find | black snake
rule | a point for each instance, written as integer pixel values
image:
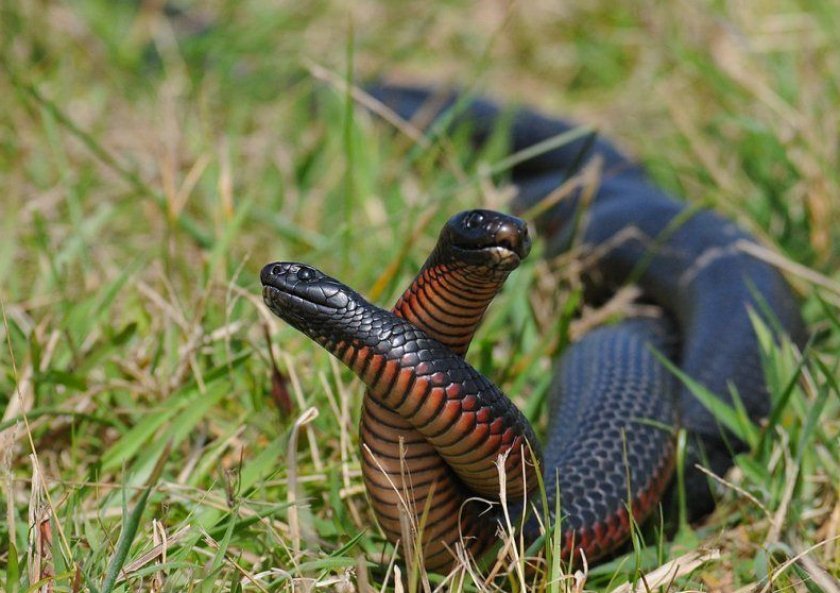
(609, 447)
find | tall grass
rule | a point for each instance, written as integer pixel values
(149, 167)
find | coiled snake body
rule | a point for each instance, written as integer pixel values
(611, 401)
(404, 474)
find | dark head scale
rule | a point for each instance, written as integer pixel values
(487, 237)
(305, 297)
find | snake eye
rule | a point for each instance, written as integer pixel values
(473, 220)
(305, 274)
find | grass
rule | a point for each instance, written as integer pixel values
(148, 174)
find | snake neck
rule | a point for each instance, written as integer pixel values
(468, 420)
(448, 300)
(404, 474)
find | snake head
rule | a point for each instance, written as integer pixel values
(487, 238)
(306, 298)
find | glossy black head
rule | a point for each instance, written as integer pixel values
(306, 298)
(486, 238)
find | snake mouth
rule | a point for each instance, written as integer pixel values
(496, 256)
(281, 303)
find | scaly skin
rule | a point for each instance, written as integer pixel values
(469, 422)
(466, 418)
(475, 253)
(603, 453)
(690, 263)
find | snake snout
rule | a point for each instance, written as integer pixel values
(475, 230)
(512, 234)
(305, 285)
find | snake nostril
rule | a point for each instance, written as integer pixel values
(275, 270)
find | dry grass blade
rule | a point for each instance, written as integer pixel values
(791, 475)
(668, 572)
(512, 539)
(158, 551)
(737, 489)
(820, 575)
(790, 562)
(301, 402)
(622, 302)
(790, 266)
(392, 564)
(39, 556)
(368, 102)
(295, 528)
(6, 440)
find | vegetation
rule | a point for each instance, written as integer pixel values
(150, 166)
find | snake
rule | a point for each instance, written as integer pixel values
(403, 473)
(433, 428)
(691, 261)
(431, 418)
(469, 424)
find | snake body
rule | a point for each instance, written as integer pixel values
(692, 262)
(404, 475)
(604, 452)
(455, 409)
(432, 427)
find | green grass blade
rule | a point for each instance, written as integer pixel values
(728, 416)
(131, 523)
(12, 569)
